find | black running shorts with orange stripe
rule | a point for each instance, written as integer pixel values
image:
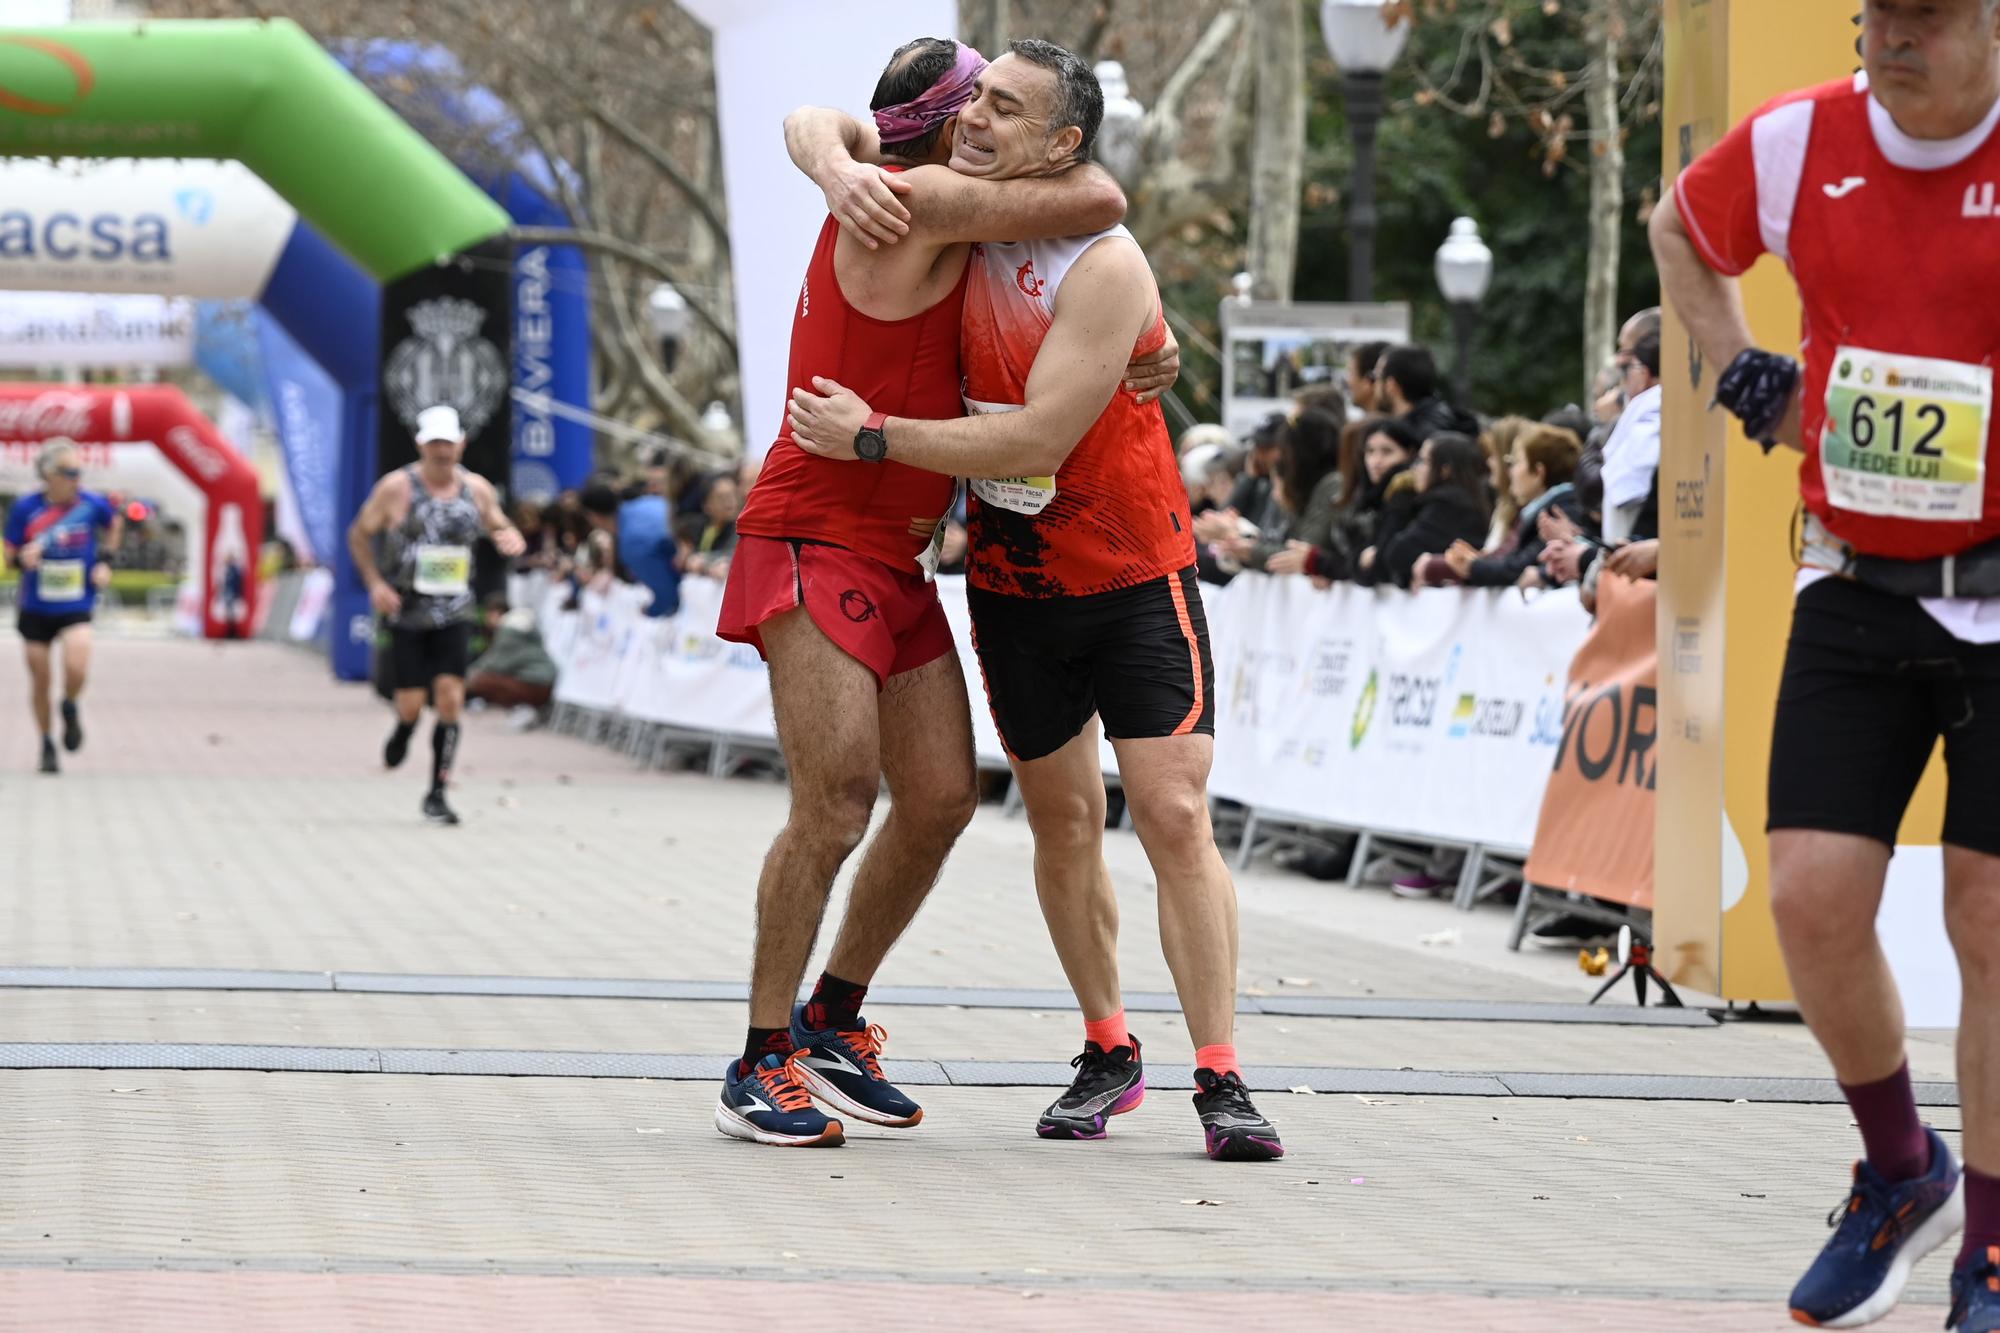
(1138, 657)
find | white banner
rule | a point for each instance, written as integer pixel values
(178, 227)
(74, 329)
(1434, 715)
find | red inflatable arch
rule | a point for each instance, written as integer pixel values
(160, 415)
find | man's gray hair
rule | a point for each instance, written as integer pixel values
(1079, 97)
(45, 461)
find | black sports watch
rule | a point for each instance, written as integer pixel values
(870, 444)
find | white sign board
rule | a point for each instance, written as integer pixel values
(163, 226)
(1272, 349)
(75, 329)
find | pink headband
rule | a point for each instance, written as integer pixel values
(936, 104)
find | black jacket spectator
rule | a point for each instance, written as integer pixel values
(1427, 525)
(1435, 416)
(1452, 505)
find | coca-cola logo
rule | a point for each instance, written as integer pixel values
(46, 415)
(186, 444)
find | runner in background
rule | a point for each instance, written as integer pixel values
(431, 512)
(1877, 191)
(52, 538)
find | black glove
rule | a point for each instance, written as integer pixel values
(1757, 389)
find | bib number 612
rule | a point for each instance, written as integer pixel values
(1867, 420)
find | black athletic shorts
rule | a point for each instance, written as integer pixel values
(420, 656)
(1871, 682)
(44, 626)
(1136, 656)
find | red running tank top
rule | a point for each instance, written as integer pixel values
(904, 367)
(1116, 512)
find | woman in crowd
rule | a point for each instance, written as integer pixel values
(1308, 486)
(1450, 505)
(1540, 466)
(1388, 447)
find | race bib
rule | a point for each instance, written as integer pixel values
(1023, 495)
(933, 552)
(1905, 436)
(60, 580)
(444, 571)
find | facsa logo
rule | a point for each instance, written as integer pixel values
(67, 237)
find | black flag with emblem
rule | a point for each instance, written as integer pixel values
(447, 337)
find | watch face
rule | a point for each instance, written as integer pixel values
(871, 446)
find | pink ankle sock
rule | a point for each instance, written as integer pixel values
(1108, 1033)
(1221, 1059)
(1982, 1213)
(1891, 1134)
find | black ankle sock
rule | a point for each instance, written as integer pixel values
(444, 748)
(835, 1004)
(763, 1042)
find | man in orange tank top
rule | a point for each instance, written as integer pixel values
(1083, 591)
(828, 582)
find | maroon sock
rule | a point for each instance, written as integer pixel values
(835, 1004)
(1891, 1134)
(1982, 1214)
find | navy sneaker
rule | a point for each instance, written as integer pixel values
(1231, 1126)
(1879, 1235)
(1975, 1293)
(72, 726)
(768, 1105)
(1107, 1083)
(840, 1066)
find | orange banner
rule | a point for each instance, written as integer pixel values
(1595, 834)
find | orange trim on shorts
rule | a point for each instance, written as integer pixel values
(1194, 653)
(972, 627)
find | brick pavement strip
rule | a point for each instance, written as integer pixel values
(228, 814)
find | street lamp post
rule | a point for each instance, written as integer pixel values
(1365, 37)
(1120, 144)
(1464, 271)
(667, 313)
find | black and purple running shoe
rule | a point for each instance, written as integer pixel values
(1232, 1127)
(1107, 1083)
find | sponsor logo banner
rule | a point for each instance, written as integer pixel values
(1595, 834)
(165, 227)
(73, 329)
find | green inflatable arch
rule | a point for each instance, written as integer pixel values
(259, 91)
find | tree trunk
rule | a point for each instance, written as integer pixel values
(1607, 189)
(1277, 145)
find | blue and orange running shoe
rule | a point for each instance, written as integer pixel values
(1232, 1128)
(1879, 1235)
(1107, 1083)
(842, 1067)
(769, 1105)
(1975, 1293)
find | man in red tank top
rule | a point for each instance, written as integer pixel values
(829, 581)
(1878, 192)
(1083, 591)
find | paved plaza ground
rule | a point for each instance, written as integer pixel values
(234, 1170)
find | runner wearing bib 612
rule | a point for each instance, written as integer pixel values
(431, 513)
(1878, 191)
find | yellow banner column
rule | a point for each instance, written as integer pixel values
(1726, 514)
